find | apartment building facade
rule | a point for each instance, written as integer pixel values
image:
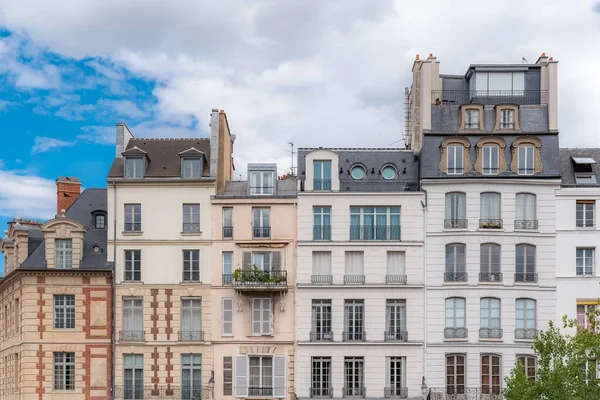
(577, 235)
(55, 302)
(359, 300)
(253, 286)
(159, 238)
(488, 148)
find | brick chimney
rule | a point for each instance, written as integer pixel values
(67, 191)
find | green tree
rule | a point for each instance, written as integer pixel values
(566, 364)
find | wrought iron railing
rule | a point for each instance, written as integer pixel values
(321, 336)
(354, 279)
(261, 232)
(395, 392)
(191, 336)
(456, 223)
(526, 334)
(321, 393)
(528, 277)
(227, 279)
(322, 184)
(490, 277)
(455, 277)
(486, 223)
(395, 336)
(132, 336)
(228, 232)
(259, 279)
(456, 333)
(356, 392)
(526, 224)
(463, 393)
(321, 279)
(260, 391)
(322, 232)
(357, 336)
(458, 97)
(191, 227)
(369, 232)
(161, 392)
(490, 333)
(395, 279)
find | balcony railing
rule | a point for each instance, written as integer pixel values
(490, 277)
(322, 184)
(456, 333)
(132, 336)
(490, 333)
(191, 336)
(395, 336)
(191, 227)
(260, 391)
(526, 224)
(262, 232)
(463, 393)
(488, 97)
(321, 336)
(227, 232)
(321, 393)
(395, 392)
(321, 279)
(261, 190)
(356, 392)
(395, 279)
(490, 223)
(456, 223)
(527, 277)
(257, 279)
(455, 276)
(354, 279)
(322, 232)
(359, 336)
(381, 232)
(227, 279)
(526, 334)
(161, 392)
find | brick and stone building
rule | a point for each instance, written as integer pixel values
(55, 302)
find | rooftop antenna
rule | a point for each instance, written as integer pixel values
(293, 153)
(524, 60)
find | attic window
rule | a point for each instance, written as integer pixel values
(191, 168)
(134, 167)
(261, 182)
(100, 221)
(584, 172)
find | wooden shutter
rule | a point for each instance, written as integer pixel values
(227, 316)
(227, 376)
(241, 376)
(276, 261)
(279, 387)
(247, 260)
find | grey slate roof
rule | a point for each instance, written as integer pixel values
(164, 158)
(239, 189)
(565, 165)
(81, 210)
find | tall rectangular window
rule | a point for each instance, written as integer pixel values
(227, 267)
(374, 223)
(133, 265)
(133, 320)
(227, 376)
(321, 377)
(490, 207)
(472, 120)
(191, 376)
(191, 168)
(455, 374)
(260, 382)
(355, 267)
(455, 159)
(133, 217)
(490, 263)
(395, 377)
(507, 119)
(321, 320)
(261, 222)
(395, 320)
(525, 319)
(133, 376)
(321, 223)
(525, 159)
(584, 215)
(321, 267)
(64, 371)
(455, 263)
(455, 318)
(322, 171)
(585, 261)
(262, 261)
(261, 182)
(525, 217)
(262, 322)
(227, 222)
(64, 311)
(490, 374)
(100, 221)
(490, 160)
(525, 263)
(63, 253)
(530, 365)
(134, 168)
(354, 377)
(490, 322)
(354, 320)
(227, 316)
(191, 320)
(191, 218)
(585, 312)
(191, 265)
(456, 210)
(396, 267)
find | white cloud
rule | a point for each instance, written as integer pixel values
(124, 108)
(26, 195)
(43, 144)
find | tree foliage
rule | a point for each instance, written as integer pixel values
(562, 359)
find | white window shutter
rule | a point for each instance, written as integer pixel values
(279, 387)
(227, 316)
(241, 376)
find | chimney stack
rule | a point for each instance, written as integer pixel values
(67, 191)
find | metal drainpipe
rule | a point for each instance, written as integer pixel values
(113, 295)
(424, 283)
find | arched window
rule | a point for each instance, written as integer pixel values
(456, 210)
(455, 373)
(525, 216)
(525, 270)
(455, 263)
(525, 321)
(529, 363)
(490, 270)
(490, 211)
(455, 158)
(455, 318)
(491, 374)
(490, 321)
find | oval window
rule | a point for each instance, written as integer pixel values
(357, 172)
(388, 172)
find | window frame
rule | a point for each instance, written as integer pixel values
(263, 375)
(103, 217)
(266, 304)
(227, 218)
(191, 265)
(454, 316)
(134, 168)
(455, 387)
(190, 363)
(469, 124)
(456, 211)
(451, 151)
(487, 266)
(132, 217)
(191, 307)
(396, 318)
(456, 267)
(526, 267)
(132, 260)
(193, 173)
(524, 322)
(191, 218)
(321, 370)
(135, 363)
(354, 319)
(134, 308)
(585, 209)
(374, 230)
(321, 318)
(489, 305)
(262, 216)
(529, 152)
(491, 387)
(64, 311)
(354, 375)
(321, 231)
(487, 159)
(521, 204)
(224, 321)
(264, 178)
(591, 256)
(321, 177)
(507, 121)
(63, 253)
(64, 371)
(524, 359)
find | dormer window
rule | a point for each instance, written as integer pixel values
(322, 174)
(472, 119)
(455, 155)
(63, 253)
(261, 182)
(191, 168)
(134, 167)
(507, 119)
(583, 169)
(100, 221)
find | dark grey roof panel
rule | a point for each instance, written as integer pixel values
(239, 189)
(566, 165)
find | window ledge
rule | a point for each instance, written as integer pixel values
(455, 230)
(455, 284)
(490, 229)
(527, 230)
(585, 228)
(498, 283)
(499, 340)
(191, 233)
(456, 340)
(271, 336)
(523, 340)
(188, 283)
(526, 283)
(132, 233)
(132, 282)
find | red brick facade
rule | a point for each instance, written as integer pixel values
(154, 305)
(169, 316)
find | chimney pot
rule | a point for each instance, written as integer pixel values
(417, 58)
(551, 59)
(543, 55)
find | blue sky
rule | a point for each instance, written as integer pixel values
(318, 73)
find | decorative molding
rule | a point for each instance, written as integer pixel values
(169, 368)
(40, 390)
(466, 143)
(155, 379)
(463, 117)
(41, 315)
(507, 106)
(154, 305)
(169, 316)
(537, 154)
(498, 141)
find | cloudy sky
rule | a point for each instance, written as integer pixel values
(315, 72)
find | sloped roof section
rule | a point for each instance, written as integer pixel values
(567, 169)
